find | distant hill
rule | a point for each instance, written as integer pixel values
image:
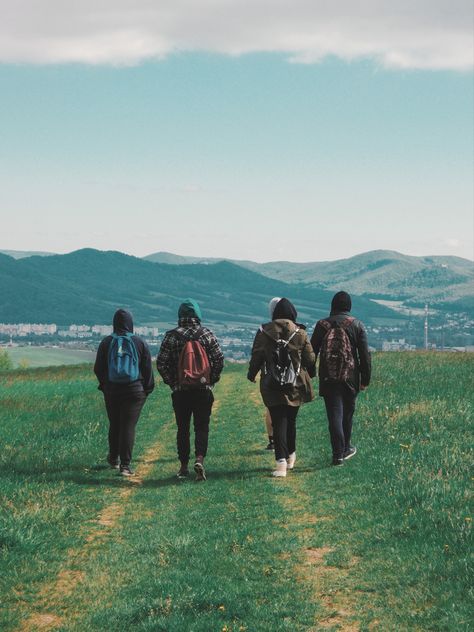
(86, 286)
(21, 254)
(441, 280)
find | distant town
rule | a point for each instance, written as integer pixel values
(453, 333)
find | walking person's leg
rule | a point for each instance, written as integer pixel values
(131, 407)
(292, 413)
(333, 400)
(182, 411)
(269, 427)
(113, 413)
(279, 423)
(202, 408)
(349, 404)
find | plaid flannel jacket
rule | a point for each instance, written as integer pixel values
(168, 357)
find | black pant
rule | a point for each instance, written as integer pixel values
(196, 403)
(284, 429)
(123, 412)
(340, 405)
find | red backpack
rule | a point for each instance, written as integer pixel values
(194, 370)
(336, 350)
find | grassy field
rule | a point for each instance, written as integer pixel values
(33, 357)
(379, 544)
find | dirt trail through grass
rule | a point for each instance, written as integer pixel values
(327, 583)
(51, 596)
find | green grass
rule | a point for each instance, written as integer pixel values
(380, 544)
(33, 357)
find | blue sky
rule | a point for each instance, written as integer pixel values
(250, 156)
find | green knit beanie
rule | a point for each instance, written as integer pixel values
(189, 308)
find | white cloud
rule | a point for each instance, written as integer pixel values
(427, 34)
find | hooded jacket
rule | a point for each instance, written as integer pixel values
(360, 351)
(123, 324)
(300, 352)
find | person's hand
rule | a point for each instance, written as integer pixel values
(363, 387)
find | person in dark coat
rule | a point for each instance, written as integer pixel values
(195, 402)
(283, 405)
(123, 402)
(340, 396)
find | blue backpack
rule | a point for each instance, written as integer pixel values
(123, 360)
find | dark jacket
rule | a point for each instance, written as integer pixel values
(173, 342)
(300, 352)
(123, 323)
(360, 352)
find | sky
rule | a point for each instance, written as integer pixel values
(294, 130)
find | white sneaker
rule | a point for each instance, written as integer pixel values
(291, 460)
(280, 469)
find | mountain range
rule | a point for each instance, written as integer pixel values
(86, 286)
(444, 281)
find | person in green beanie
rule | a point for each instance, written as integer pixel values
(190, 362)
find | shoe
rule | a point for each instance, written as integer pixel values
(348, 454)
(114, 463)
(200, 471)
(280, 469)
(270, 446)
(183, 472)
(125, 470)
(291, 460)
(338, 462)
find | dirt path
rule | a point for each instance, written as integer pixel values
(51, 596)
(328, 583)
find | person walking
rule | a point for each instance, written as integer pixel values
(268, 418)
(124, 370)
(190, 362)
(340, 340)
(283, 355)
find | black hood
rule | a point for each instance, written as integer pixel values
(285, 309)
(123, 322)
(341, 302)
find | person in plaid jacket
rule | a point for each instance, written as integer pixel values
(190, 402)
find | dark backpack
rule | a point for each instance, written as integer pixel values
(336, 350)
(123, 362)
(279, 372)
(194, 369)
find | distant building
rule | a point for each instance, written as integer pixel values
(397, 345)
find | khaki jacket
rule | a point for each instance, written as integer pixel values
(300, 351)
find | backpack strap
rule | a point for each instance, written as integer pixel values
(325, 324)
(347, 322)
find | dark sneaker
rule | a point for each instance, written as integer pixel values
(183, 472)
(338, 462)
(348, 454)
(200, 471)
(114, 463)
(270, 446)
(125, 470)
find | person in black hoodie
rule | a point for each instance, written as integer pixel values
(123, 402)
(340, 396)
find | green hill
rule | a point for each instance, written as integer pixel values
(383, 274)
(86, 286)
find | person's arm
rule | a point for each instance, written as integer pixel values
(165, 360)
(146, 369)
(363, 353)
(215, 355)
(257, 358)
(101, 364)
(317, 339)
(308, 357)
